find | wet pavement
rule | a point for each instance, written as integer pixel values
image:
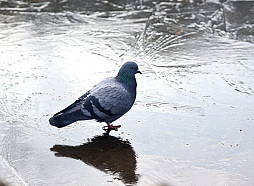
(192, 123)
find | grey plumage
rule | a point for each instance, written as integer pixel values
(105, 102)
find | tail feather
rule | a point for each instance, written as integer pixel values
(58, 122)
(67, 116)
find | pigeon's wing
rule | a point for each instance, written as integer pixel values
(74, 106)
(109, 99)
(114, 98)
(106, 101)
(70, 114)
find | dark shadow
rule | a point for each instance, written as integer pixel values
(107, 153)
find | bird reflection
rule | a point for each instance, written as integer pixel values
(107, 153)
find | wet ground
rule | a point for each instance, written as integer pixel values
(193, 120)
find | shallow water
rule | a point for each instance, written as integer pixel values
(192, 123)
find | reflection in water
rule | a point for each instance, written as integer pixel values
(107, 153)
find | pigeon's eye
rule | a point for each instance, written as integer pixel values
(132, 68)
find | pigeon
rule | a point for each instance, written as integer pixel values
(105, 102)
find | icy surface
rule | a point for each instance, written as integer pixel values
(192, 123)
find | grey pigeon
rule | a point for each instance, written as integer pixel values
(105, 102)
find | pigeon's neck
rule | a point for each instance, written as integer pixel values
(127, 79)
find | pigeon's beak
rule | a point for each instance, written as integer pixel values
(139, 72)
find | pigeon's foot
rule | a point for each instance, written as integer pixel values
(110, 127)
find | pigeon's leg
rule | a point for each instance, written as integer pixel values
(110, 127)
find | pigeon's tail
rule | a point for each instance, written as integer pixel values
(67, 116)
(58, 121)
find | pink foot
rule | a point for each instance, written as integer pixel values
(111, 127)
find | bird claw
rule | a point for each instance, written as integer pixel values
(111, 127)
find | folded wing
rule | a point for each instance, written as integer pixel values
(105, 102)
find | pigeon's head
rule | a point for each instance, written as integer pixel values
(127, 72)
(130, 68)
